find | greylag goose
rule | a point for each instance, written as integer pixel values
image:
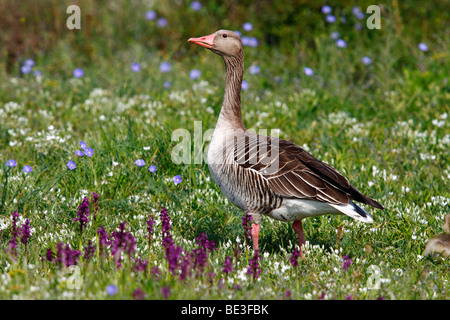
(265, 175)
(441, 243)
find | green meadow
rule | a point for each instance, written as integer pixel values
(373, 103)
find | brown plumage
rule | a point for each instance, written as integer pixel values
(440, 245)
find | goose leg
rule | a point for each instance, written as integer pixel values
(256, 220)
(298, 227)
(255, 235)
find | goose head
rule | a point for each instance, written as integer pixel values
(223, 42)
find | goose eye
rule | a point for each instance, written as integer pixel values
(224, 35)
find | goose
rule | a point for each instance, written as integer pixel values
(441, 243)
(268, 176)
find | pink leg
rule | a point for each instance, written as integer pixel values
(298, 227)
(255, 235)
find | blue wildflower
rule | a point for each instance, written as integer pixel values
(244, 85)
(161, 23)
(326, 9)
(83, 145)
(167, 84)
(334, 35)
(308, 71)
(25, 69)
(111, 289)
(27, 169)
(340, 43)
(89, 152)
(150, 15)
(71, 165)
(78, 73)
(330, 18)
(79, 153)
(140, 162)
(255, 69)
(165, 67)
(247, 26)
(196, 5)
(11, 163)
(136, 67)
(422, 47)
(366, 60)
(195, 74)
(177, 179)
(152, 169)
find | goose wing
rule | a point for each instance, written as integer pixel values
(294, 173)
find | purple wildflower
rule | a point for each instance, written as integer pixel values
(186, 264)
(12, 248)
(79, 153)
(83, 213)
(89, 251)
(140, 264)
(227, 265)
(94, 200)
(152, 169)
(346, 262)
(120, 240)
(165, 292)
(138, 294)
(150, 223)
(254, 268)
(49, 255)
(65, 255)
(294, 257)
(26, 232)
(247, 227)
(103, 240)
(172, 252)
(204, 243)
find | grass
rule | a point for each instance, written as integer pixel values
(385, 126)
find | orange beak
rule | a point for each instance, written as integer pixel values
(206, 41)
